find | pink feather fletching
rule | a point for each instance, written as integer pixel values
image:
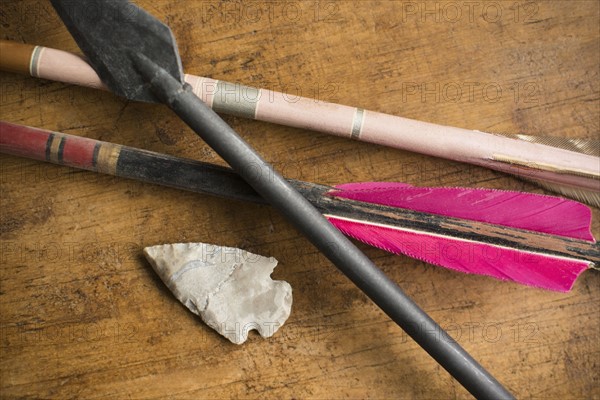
(543, 271)
(533, 212)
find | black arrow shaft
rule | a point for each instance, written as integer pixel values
(331, 242)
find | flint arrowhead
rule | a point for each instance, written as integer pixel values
(230, 289)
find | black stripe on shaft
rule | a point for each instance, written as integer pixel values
(61, 149)
(49, 146)
(95, 155)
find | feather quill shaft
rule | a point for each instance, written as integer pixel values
(467, 230)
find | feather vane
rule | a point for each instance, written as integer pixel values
(540, 213)
(531, 269)
(524, 211)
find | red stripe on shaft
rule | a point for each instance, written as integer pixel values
(78, 152)
(23, 141)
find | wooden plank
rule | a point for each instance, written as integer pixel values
(83, 315)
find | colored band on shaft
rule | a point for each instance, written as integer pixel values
(82, 153)
(357, 123)
(236, 99)
(35, 58)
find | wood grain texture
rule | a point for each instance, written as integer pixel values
(82, 314)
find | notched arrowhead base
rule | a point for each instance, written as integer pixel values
(230, 289)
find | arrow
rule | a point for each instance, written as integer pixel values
(135, 55)
(535, 240)
(565, 166)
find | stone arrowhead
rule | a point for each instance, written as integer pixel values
(230, 289)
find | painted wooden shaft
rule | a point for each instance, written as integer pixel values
(199, 177)
(518, 157)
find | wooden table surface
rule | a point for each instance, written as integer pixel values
(83, 315)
